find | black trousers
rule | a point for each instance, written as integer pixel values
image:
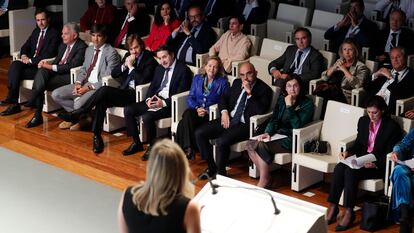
(224, 138)
(46, 80)
(132, 111)
(347, 179)
(18, 71)
(186, 128)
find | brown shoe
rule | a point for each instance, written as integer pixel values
(75, 127)
(65, 125)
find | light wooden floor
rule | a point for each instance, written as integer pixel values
(71, 151)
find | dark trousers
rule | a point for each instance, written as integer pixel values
(347, 179)
(132, 111)
(18, 71)
(224, 138)
(46, 80)
(186, 128)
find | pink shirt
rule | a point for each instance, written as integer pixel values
(373, 130)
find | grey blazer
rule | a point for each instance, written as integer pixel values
(109, 60)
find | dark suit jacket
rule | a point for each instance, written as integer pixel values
(258, 103)
(49, 49)
(76, 56)
(257, 15)
(389, 133)
(142, 73)
(206, 37)
(180, 81)
(365, 38)
(401, 90)
(312, 66)
(140, 25)
(221, 8)
(405, 40)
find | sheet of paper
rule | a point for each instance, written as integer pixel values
(272, 138)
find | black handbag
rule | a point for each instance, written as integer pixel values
(316, 146)
(375, 214)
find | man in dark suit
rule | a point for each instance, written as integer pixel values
(394, 36)
(194, 36)
(248, 96)
(354, 25)
(51, 76)
(129, 20)
(254, 12)
(216, 9)
(137, 68)
(42, 44)
(171, 77)
(301, 59)
(392, 84)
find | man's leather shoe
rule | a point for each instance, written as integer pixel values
(98, 144)
(29, 104)
(146, 155)
(69, 116)
(133, 148)
(4, 102)
(12, 109)
(36, 120)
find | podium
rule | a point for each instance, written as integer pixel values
(237, 208)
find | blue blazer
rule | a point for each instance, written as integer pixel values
(196, 98)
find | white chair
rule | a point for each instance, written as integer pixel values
(281, 158)
(328, 5)
(339, 124)
(21, 25)
(322, 21)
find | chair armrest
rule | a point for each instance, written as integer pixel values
(365, 53)
(389, 166)
(223, 23)
(200, 59)
(179, 105)
(213, 112)
(410, 61)
(50, 60)
(16, 56)
(357, 96)
(375, 15)
(257, 120)
(109, 81)
(235, 67)
(302, 135)
(327, 44)
(411, 23)
(312, 85)
(74, 72)
(289, 37)
(259, 30)
(346, 143)
(141, 92)
(342, 8)
(403, 105)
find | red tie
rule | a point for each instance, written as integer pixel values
(40, 44)
(65, 58)
(122, 34)
(95, 58)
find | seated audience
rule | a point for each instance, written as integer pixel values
(387, 6)
(41, 44)
(293, 110)
(99, 13)
(206, 90)
(137, 68)
(216, 9)
(392, 84)
(163, 202)
(402, 183)
(248, 96)
(165, 21)
(52, 76)
(377, 134)
(194, 36)
(232, 45)
(100, 59)
(354, 25)
(253, 11)
(346, 74)
(170, 77)
(301, 59)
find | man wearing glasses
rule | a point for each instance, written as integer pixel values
(194, 36)
(248, 96)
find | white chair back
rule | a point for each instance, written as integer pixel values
(272, 49)
(256, 44)
(324, 20)
(300, 16)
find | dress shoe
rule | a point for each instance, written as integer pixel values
(29, 104)
(133, 148)
(98, 144)
(4, 102)
(36, 120)
(347, 226)
(65, 125)
(190, 154)
(206, 174)
(334, 216)
(75, 127)
(69, 116)
(12, 109)
(146, 155)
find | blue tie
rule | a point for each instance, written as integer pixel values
(239, 110)
(164, 80)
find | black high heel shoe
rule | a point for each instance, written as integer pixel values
(334, 216)
(347, 226)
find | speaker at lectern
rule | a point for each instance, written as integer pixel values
(240, 207)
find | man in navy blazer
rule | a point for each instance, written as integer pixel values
(171, 77)
(248, 96)
(42, 44)
(194, 36)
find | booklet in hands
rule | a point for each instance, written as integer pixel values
(272, 138)
(358, 162)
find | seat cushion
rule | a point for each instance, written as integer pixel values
(319, 162)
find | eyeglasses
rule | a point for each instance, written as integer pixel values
(194, 16)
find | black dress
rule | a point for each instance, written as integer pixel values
(137, 221)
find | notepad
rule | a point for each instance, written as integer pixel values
(273, 138)
(358, 162)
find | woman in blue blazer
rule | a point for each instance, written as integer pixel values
(205, 91)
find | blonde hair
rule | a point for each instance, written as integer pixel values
(168, 175)
(220, 68)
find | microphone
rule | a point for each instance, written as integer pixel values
(214, 191)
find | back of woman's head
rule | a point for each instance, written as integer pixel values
(167, 177)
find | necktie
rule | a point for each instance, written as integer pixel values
(126, 82)
(239, 110)
(396, 74)
(298, 59)
(65, 58)
(40, 44)
(95, 58)
(182, 52)
(207, 10)
(394, 39)
(122, 34)
(164, 80)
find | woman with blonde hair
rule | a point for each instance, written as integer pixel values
(161, 203)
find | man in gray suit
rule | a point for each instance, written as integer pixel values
(100, 60)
